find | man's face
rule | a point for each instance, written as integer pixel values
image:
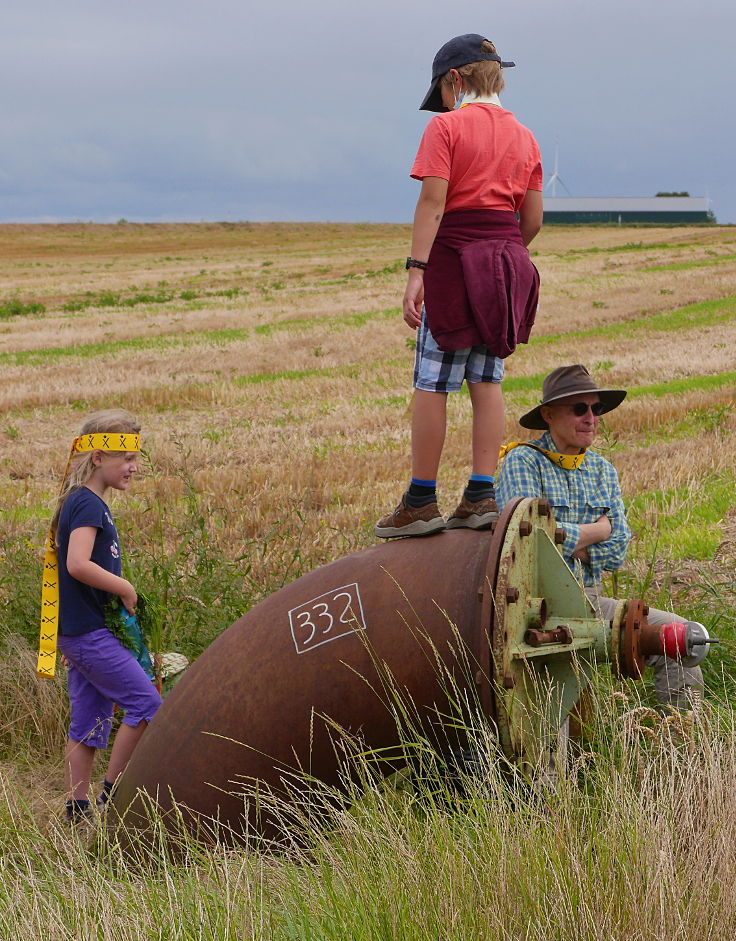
(572, 432)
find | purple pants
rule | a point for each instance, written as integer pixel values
(102, 673)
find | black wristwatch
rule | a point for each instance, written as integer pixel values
(413, 263)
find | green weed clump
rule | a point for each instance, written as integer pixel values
(682, 523)
(112, 299)
(16, 308)
(21, 562)
(194, 590)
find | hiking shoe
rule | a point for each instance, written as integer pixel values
(77, 816)
(410, 521)
(469, 515)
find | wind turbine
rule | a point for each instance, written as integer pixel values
(555, 176)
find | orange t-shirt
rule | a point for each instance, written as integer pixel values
(488, 158)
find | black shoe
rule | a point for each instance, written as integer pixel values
(75, 815)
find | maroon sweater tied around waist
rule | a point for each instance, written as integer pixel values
(480, 286)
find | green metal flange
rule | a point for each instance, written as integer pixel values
(545, 635)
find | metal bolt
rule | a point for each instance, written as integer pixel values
(512, 595)
(559, 535)
(525, 528)
(543, 508)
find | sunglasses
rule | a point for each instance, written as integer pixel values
(580, 408)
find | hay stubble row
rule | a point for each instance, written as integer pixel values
(293, 391)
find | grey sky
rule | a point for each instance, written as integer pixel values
(164, 110)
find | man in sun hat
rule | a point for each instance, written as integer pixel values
(583, 490)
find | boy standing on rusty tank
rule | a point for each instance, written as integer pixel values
(472, 289)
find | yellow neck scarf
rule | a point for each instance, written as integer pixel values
(104, 441)
(567, 461)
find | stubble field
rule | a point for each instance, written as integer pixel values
(271, 370)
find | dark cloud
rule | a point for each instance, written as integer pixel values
(309, 111)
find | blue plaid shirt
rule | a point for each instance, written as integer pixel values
(576, 497)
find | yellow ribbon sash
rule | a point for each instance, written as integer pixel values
(567, 461)
(101, 441)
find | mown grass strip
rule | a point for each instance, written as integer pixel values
(685, 265)
(525, 384)
(351, 370)
(182, 341)
(703, 314)
(307, 323)
(571, 253)
(88, 350)
(391, 268)
(514, 384)
(688, 384)
(113, 299)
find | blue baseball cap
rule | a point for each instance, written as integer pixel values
(458, 51)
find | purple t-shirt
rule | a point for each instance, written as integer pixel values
(81, 607)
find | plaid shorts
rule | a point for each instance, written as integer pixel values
(436, 370)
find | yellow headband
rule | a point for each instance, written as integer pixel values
(106, 441)
(100, 441)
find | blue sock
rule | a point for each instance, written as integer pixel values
(77, 808)
(421, 492)
(480, 487)
(106, 791)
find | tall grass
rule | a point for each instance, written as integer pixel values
(638, 841)
(34, 712)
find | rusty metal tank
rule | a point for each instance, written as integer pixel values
(498, 611)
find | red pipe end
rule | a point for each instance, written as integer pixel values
(673, 640)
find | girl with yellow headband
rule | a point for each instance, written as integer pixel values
(82, 572)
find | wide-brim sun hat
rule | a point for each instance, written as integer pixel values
(563, 382)
(461, 50)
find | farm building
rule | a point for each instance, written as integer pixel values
(621, 210)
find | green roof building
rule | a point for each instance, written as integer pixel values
(668, 210)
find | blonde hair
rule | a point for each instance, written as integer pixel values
(481, 78)
(109, 419)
